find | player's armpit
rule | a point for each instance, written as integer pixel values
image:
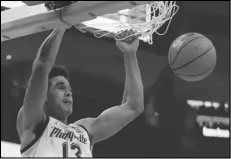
(29, 131)
(111, 121)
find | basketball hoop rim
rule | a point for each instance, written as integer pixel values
(153, 22)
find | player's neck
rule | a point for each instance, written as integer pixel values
(61, 119)
(64, 121)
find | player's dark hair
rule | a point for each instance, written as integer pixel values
(58, 70)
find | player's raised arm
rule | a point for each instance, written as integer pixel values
(36, 93)
(124, 99)
(114, 119)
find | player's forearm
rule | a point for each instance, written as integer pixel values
(126, 81)
(49, 49)
(133, 85)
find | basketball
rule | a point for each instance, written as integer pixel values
(192, 57)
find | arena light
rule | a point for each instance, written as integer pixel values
(220, 133)
(8, 57)
(207, 104)
(12, 4)
(212, 120)
(216, 105)
(195, 103)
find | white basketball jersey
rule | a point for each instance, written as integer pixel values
(60, 140)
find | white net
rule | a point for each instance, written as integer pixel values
(154, 14)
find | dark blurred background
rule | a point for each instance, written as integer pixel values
(169, 126)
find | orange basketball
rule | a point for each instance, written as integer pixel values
(192, 57)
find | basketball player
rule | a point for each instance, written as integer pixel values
(42, 120)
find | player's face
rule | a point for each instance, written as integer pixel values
(60, 95)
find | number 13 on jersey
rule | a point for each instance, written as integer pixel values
(73, 147)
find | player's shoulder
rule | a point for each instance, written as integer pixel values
(84, 121)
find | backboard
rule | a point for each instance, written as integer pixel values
(91, 16)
